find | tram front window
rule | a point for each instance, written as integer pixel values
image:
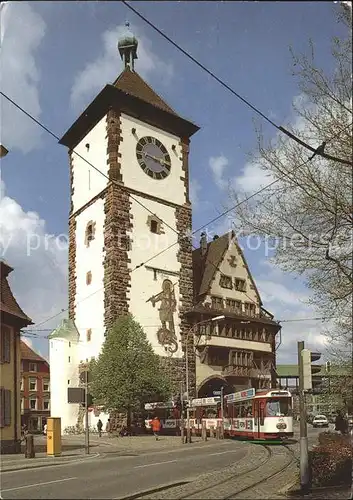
(281, 407)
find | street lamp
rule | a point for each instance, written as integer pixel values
(216, 318)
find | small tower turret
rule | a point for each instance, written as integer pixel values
(127, 46)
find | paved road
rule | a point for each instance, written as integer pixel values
(116, 477)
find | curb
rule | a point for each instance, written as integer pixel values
(48, 463)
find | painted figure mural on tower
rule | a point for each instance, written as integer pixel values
(166, 335)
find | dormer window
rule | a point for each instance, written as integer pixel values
(240, 285)
(225, 281)
(90, 230)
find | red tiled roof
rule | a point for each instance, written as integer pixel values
(131, 83)
(28, 353)
(8, 303)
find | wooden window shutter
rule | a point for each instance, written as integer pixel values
(5, 354)
(2, 407)
(7, 407)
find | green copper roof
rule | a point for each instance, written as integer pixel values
(67, 330)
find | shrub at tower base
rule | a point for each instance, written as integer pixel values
(127, 373)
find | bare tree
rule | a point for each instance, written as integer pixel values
(307, 212)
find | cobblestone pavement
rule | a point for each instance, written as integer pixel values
(259, 463)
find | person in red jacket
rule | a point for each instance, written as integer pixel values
(156, 427)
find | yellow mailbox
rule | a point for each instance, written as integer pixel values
(54, 436)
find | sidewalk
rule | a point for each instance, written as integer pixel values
(73, 449)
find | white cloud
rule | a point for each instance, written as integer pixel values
(22, 31)
(106, 67)
(218, 166)
(277, 292)
(195, 188)
(39, 279)
(252, 179)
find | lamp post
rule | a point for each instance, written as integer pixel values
(216, 318)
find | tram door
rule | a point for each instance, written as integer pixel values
(257, 418)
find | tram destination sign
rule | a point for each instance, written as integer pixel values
(241, 395)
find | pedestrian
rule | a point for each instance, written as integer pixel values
(108, 427)
(340, 424)
(156, 427)
(99, 427)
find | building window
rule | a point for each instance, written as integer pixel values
(69, 344)
(22, 404)
(22, 384)
(88, 278)
(233, 305)
(32, 384)
(240, 285)
(33, 403)
(69, 359)
(5, 407)
(232, 261)
(89, 335)
(249, 308)
(46, 384)
(68, 382)
(5, 344)
(225, 281)
(217, 302)
(89, 235)
(32, 367)
(154, 226)
(46, 405)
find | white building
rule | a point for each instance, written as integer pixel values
(122, 219)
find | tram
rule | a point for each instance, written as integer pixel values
(256, 415)
(168, 414)
(259, 415)
(200, 409)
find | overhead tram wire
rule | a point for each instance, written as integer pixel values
(176, 242)
(236, 94)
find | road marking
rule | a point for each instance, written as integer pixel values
(156, 463)
(39, 484)
(36, 467)
(222, 452)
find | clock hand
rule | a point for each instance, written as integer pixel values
(159, 160)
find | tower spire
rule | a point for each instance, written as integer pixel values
(127, 46)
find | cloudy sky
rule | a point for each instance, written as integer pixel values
(55, 57)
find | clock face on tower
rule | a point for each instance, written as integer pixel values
(153, 157)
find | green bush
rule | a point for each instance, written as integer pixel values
(331, 460)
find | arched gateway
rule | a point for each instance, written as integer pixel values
(212, 387)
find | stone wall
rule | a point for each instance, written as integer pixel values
(72, 267)
(183, 225)
(116, 262)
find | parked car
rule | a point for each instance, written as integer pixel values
(320, 421)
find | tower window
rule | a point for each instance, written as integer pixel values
(90, 230)
(154, 226)
(89, 335)
(88, 278)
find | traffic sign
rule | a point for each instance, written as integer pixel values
(216, 393)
